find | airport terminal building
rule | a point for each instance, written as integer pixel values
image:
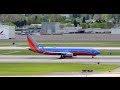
(49, 28)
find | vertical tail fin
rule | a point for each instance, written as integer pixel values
(32, 44)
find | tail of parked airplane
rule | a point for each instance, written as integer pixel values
(1, 32)
(33, 45)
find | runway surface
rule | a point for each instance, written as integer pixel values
(55, 59)
(26, 48)
(73, 74)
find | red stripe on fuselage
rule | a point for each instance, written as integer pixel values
(82, 53)
(74, 53)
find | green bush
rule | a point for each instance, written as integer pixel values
(66, 25)
(69, 25)
(98, 25)
(9, 23)
(84, 25)
(67, 21)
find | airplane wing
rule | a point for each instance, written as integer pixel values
(61, 53)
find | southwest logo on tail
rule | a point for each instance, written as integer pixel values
(62, 51)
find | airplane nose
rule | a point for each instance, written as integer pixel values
(98, 52)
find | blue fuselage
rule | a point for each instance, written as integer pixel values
(74, 50)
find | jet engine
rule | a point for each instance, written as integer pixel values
(68, 54)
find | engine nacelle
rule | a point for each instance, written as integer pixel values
(68, 55)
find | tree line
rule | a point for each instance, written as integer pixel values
(101, 20)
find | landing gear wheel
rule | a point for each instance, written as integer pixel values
(92, 56)
(62, 57)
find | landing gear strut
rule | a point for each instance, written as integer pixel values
(92, 56)
(62, 57)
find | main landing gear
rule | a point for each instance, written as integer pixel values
(62, 57)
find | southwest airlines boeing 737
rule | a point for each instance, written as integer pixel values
(62, 51)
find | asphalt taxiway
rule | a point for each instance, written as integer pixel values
(80, 75)
(55, 59)
(72, 74)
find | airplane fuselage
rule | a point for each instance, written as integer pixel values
(62, 51)
(74, 50)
